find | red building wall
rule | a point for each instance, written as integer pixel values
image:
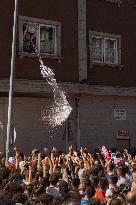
(28, 67)
(6, 22)
(102, 16)
(107, 17)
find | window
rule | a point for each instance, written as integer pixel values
(36, 35)
(105, 48)
(118, 2)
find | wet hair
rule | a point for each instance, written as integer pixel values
(118, 154)
(113, 179)
(111, 167)
(90, 191)
(103, 182)
(122, 170)
(76, 182)
(78, 153)
(63, 187)
(38, 191)
(94, 180)
(21, 156)
(86, 174)
(94, 171)
(61, 161)
(86, 183)
(39, 173)
(99, 167)
(58, 171)
(54, 178)
(43, 182)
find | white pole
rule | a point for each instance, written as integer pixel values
(12, 73)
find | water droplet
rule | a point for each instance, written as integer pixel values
(61, 108)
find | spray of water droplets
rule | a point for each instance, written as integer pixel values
(61, 108)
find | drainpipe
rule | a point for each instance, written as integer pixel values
(82, 45)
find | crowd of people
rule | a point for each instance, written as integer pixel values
(52, 177)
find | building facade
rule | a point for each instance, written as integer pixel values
(90, 46)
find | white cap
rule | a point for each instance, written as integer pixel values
(12, 160)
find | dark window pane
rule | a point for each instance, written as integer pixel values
(97, 49)
(29, 37)
(47, 39)
(110, 51)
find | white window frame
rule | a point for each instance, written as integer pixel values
(105, 36)
(40, 22)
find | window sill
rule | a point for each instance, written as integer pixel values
(119, 66)
(33, 55)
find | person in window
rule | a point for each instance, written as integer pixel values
(29, 39)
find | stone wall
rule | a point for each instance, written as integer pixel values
(97, 123)
(31, 133)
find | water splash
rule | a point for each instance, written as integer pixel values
(61, 108)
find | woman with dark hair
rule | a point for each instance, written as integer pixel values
(113, 189)
(101, 190)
